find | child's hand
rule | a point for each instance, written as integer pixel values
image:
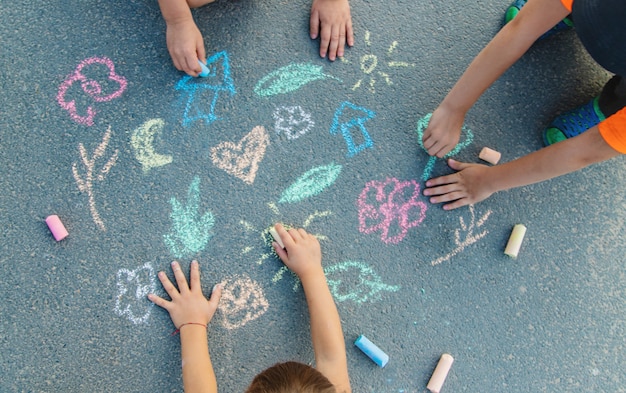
(443, 132)
(186, 46)
(302, 253)
(331, 20)
(467, 186)
(188, 304)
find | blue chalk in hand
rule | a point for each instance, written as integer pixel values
(372, 351)
(205, 70)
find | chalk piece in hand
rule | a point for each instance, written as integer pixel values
(205, 70)
(56, 227)
(276, 237)
(372, 351)
(440, 373)
(515, 241)
(489, 155)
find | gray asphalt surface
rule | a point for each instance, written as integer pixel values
(74, 317)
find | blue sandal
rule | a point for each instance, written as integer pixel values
(573, 122)
(517, 5)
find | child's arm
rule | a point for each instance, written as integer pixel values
(331, 20)
(303, 256)
(474, 182)
(535, 18)
(184, 40)
(191, 313)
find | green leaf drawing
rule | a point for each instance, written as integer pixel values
(341, 282)
(190, 231)
(289, 78)
(311, 183)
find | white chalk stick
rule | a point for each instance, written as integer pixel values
(490, 155)
(515, 241)
(440, 373)
(276, 237)
(56, 227)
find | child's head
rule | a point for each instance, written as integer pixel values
(290, 377)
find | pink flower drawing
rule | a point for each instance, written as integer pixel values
(91, 87)
(383, 203)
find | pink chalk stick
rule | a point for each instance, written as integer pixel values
(489, 155)
(56, 227)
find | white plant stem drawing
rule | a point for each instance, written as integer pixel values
(85, 184)
(470, 237)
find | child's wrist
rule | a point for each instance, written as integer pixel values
(189, 325)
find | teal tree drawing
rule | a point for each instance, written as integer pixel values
(191, 231)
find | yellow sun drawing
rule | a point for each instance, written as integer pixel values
(369, 64)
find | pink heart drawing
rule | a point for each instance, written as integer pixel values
(90, 87)
(242, 160)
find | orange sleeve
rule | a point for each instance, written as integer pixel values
(613, 130)
(567, 4)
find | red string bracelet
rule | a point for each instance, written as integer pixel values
(175, 332)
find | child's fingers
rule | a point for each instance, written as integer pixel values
(349, 33)
(181, 281)
(213, 302)
(159, 301)
(314, 24)
(216, 295)
(282, 254)
(194, 276)
(167, 285)
(285, 236)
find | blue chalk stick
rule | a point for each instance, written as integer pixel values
(205, 70)
(372, 351)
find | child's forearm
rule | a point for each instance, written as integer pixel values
(509, 44)
(326, 332)
(198, 374)
(552, 161)
(175, 11)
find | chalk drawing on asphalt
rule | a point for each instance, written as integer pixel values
(191, 230)
(308, 185)
(422, 124)
(289, 78)
(390, 207)
(133, 287)
(311, 183)
(267, 239)
(371, 66)
(355, 281)
(466, 230)
(242, 301)
(242, 159)
(351, 118)
(292, 121)
(91, 87)
(142, 142)
(90, 174)
(198, 91)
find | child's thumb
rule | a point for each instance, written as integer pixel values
(216, 294)
(456, 165)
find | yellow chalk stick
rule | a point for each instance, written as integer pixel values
(490, 155)
(276, 237)
(515, 241)
(440, 373)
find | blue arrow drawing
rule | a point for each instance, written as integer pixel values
(218, 80)
(357, 116)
